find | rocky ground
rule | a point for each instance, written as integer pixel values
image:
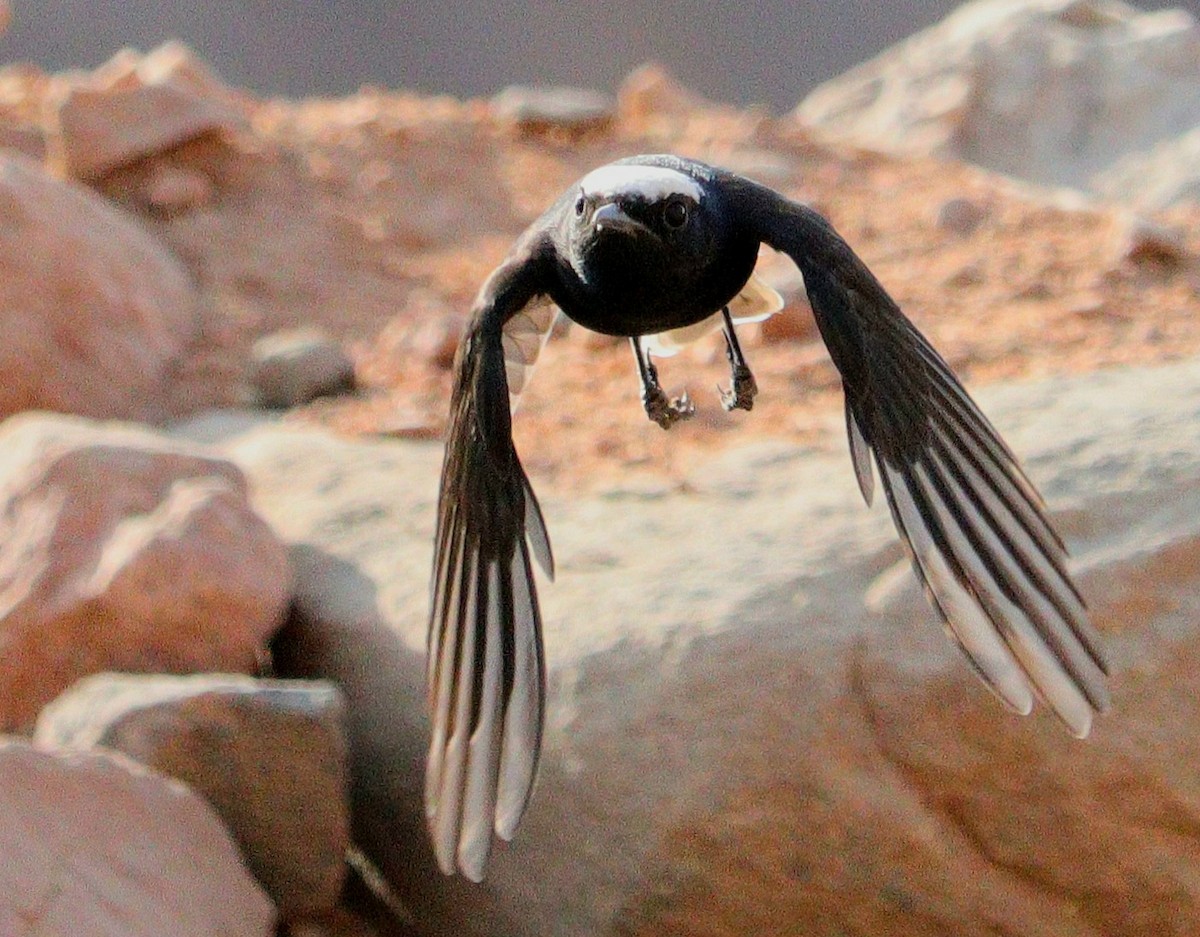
(164, 236)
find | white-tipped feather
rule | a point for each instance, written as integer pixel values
(1062, 611)
(1046, 672)
(1018, 536)
(483, 753)
(444, 556)
(449, 801)
(860, 456)
(522, 722)
(966, 621)
(535, 532)
(443, 687)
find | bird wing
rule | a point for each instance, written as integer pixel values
(976, 530)
(486, 671)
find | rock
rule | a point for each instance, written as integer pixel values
(296, 366)
(1166, 174)
(340, 923)
(1052, 91)
(94, 313)
(435, 339)
(722, 688)
(972, 273)
(120, 550)
(269, 756)
(173, 190)
(649, 93)
(960, 216)
(24, 138)
(95, 844)
(359, 599)
(576, 110)
(138, 107)
(1142, 242)
(794, 324)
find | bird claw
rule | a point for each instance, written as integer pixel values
(741, 396)
(664, 411)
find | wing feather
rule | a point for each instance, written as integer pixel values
(976, 528)
(486, 675)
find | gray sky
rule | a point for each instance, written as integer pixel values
(769, 52)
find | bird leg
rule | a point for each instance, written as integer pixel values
(662, 410)
(741, 395)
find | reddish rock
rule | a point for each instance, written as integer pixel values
(651, 92)
(94, 313)
(172, 190)
(95, 844)
(1146, 243)
(26, 139)
(120, 550)
(136, 107)
(269, 756)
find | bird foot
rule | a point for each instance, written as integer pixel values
(664, 411)
(745, 389)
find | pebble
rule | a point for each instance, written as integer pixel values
(540, 109)
(961, 216)
(294, 367)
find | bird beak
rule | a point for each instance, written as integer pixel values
(609, 215)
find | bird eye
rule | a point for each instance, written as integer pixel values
(675, 214)
(580, 203)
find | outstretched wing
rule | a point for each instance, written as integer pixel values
(486, 672)
(976, 529)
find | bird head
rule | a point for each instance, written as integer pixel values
(654, 232)
(651, 212)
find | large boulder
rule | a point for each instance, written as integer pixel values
(268, 755)
(755, 721)
(121, 550)
(95, 314)
(1048, 90)
(96, 844)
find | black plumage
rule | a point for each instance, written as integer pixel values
(659, 244)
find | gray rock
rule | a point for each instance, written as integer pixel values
(754, 716)
(961, 216)
(296, 366)
(1164, 175)
(269, 755)
(95, 844)
(1053, 91)
(573, 109)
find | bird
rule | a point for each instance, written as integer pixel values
(659, 249)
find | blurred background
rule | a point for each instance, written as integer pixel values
(770, 53)
(755, 724)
